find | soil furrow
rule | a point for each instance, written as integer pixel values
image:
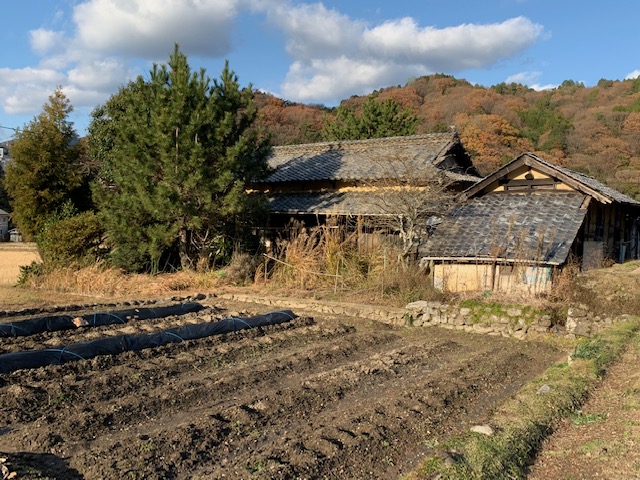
(331, 398)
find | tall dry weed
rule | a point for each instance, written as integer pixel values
(332, 259)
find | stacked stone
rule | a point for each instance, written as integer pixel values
(512, 324)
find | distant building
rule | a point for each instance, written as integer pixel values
(15, 235)
(352, 182)
(5, 158)
(4, 225)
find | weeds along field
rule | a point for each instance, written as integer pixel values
(318, 396)
(12, 257)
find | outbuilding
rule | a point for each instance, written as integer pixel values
(518, 226)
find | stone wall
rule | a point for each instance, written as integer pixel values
(392, 316)
(582, 323)
(509, 321)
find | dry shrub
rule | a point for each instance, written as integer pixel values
(242, 268)
(320, 257)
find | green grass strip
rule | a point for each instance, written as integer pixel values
(521, 423)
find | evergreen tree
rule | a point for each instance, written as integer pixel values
(177, 154)
(45, 171)
(377, 120)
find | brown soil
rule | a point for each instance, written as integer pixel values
(323, 397)
(603, 440)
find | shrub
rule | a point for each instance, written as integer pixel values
(71, 238)
(242, 268)
(29, 273)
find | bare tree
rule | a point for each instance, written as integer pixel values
(411, 200)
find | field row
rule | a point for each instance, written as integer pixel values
(322, 397)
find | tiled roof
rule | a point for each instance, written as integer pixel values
(536, 227)
(2, 212)
(331, 203)
(374, 159)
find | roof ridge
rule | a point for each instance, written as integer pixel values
(366, 140)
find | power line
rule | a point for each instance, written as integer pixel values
(7, 128)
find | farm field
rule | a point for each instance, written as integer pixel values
(12, 257)
(321, 397)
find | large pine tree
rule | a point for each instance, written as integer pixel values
(45, 171)
(177, 152)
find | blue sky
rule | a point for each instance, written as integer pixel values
(311, 52)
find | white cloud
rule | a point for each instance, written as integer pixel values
(29, 75)
(149, 28)
(524, 78)
(46, 41)
(539, 88)
(312, 30)
(107, 74)
(334, 79)
(452, 48)
(530, 79)
(332, 55)
(25, 90)
(335, 56)
(632, 75)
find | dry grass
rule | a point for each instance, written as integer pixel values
(100, 281)
(12, 257)
(606, 291)
(331, 263)
(101, 284)
(325, 263)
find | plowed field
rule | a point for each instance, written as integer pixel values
(321, 397)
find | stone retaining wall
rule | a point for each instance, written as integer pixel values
(583, 323)
(508, 321)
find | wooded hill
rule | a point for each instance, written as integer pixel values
(593, 130)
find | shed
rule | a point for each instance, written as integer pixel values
(15, 235)
(517, 226)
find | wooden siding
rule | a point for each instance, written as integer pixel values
(460, 277)
(526, 176)
(616, 226)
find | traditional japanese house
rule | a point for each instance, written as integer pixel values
(348, 181)
(517, 226)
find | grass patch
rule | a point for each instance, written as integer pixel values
(591, 446)
(522, 423)
(579, 418)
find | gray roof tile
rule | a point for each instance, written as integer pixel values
(538, 227)
(415, 155)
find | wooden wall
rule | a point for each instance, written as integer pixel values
(452, 277)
